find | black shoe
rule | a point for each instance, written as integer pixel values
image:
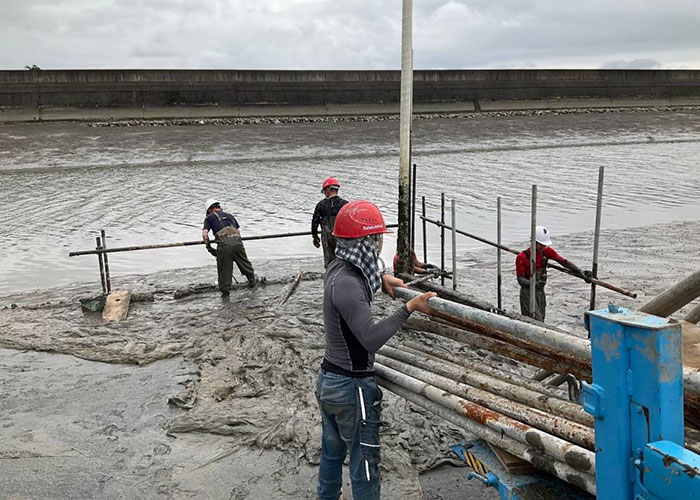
(253, 282)
(225, 293)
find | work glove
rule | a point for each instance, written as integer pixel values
(587, 275)
(317, 242)
(211, 250)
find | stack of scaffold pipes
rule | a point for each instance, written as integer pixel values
(525, 417)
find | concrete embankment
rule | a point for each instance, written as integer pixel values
(49, 95)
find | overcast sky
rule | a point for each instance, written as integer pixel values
(348, 34)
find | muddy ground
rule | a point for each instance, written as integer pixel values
(205, 397)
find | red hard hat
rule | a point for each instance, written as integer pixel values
(357, 219)
(330, 182)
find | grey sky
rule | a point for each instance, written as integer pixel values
(348, 34)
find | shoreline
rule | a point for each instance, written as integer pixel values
(264, 115)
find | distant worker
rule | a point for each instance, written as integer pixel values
(230, 249)
(324, 214)
(522, 270)
(418, 266)
(347, 394)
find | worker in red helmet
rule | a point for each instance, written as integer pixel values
(324, 215)
(347, 394)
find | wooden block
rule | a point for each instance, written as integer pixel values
(117, 305)
(513, 464)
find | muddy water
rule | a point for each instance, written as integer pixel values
(61, 183)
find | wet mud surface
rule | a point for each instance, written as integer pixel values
(221, 404)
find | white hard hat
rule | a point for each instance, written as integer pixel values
(542, 236)
(210, 202)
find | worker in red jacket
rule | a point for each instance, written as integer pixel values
(522, 270)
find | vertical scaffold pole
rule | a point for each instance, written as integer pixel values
(102, 269)
(106, 262)
(596, 241)
(454, 246)
(425, 235)
(413, 209)
(533, 250)
(499, 277)
(442, 238)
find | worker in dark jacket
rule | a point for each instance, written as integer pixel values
(229, 249)
(522, 270)
(347, 393)
(324, 214)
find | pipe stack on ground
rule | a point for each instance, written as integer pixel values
(525, 417)
(568, 461)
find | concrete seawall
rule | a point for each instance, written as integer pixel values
(123, 94)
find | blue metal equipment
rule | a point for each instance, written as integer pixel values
(636, 399)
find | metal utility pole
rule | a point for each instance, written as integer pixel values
(403, 239)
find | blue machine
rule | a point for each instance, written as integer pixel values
(636, 399)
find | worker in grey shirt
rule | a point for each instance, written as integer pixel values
(347, 393)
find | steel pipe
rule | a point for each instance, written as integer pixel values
(425, 234)
(555, 467)
(454, 247)
(596, 239)
(499, 347)
(108, 281)
(191, 243)
(480, 366)
(450, 294)
(442, 237)
(499, 277)
(674, 297)
(532, 333)
(571, 454)
(101, 264)
(533, 252)
(500, 387)
(694, 315)
(552, 424)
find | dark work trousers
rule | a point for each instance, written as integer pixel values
(229, 250)
(540, 302)
(328, 241)
(350, 414)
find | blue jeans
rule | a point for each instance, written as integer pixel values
(350, 412)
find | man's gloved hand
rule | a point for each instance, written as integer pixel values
(587, 275)
(317, 242)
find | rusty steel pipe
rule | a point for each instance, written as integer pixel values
(481, 367)
(555, 406)
(534, 347)
(497, 346)
(571, 454)
(575, 346)
(555, 467)
(553, 425)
